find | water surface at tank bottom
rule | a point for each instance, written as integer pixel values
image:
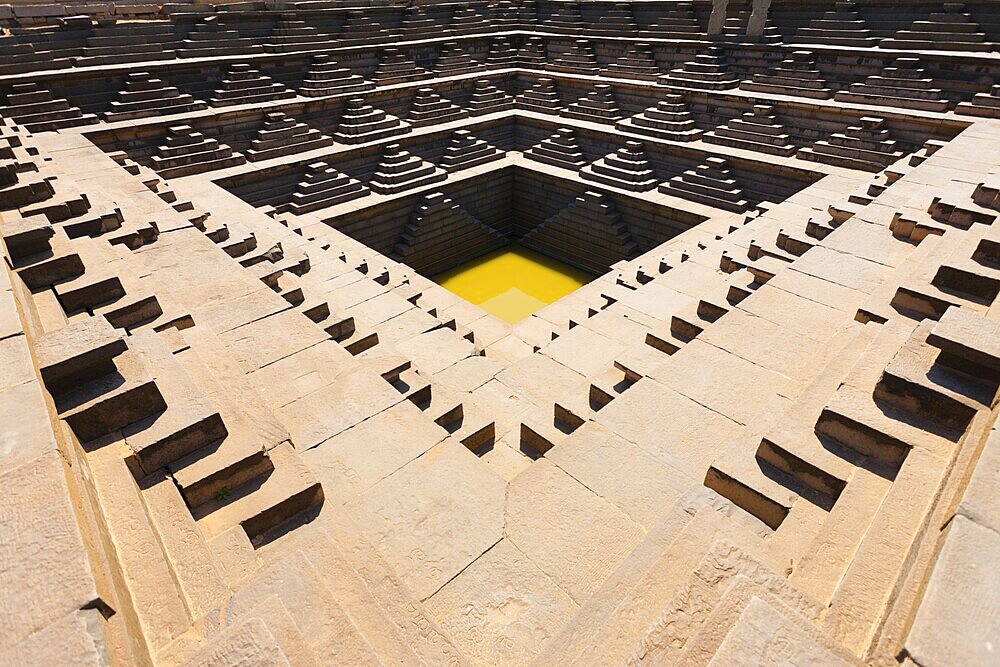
(513, 282)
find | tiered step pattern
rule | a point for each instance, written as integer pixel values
(399, 171)
(842, 27)
(110, 42)
(464, 151)
(669, 119)
(468, 21)
(322, 187)
(565, 19)
(952, 29)
(212, 37)
(560, 150)
(532, 53)
(245, 85)
(757, 130)
(598, 106)
(36, 109)
(626, 168)
(186, 152)
(589, 233)
(501, 54)
(636, 63)
(282, 135)
(711, 183)
(290, 34)
(905, 84)
(442, 235)
(361, 28)
(677, 22)
(616, 22)
(541, 97)
(708, 71)
(796, 75)
(487, 98)
(577, 58)
(982, 104)
(454, 60)
(362, 122)
(145, 96)
(395, 67)
(429, 108)
(868, 145)
(327, 77)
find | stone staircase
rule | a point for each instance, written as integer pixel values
(952, 29)
(327, 77)
(757, 130)
(710, 183)
(626, 168)
(669, 119)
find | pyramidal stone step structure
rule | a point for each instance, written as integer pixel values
(797, 75)
(756, 130)
(598, 106)
(507, 332)
(185, 152)
(327, 77)
(246, 85)
(430, 108)
(362, 122)
(441, 233)
(487, 98)
(591, 226)
(559, 150)
(626, 168)
(711, 183)
(322, 187)
(465, 151)
(145, 96)
(399, 170)
(669, 119)
(283, 135)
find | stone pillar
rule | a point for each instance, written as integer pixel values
(718, 18)
(758, 17)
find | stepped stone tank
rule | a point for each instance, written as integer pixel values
(242, 424)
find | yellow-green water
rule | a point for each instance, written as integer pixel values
(513, 282)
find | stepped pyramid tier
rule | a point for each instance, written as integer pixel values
(145, 96)
(565, 18)
(399, 171)
(454, 60)
(982, 104)
(842, 27)
(669, 119)
(36, 109)
(327, 77)
(362, 122)
(487, 98)
(541, 97)
(905, 84)
(577, 58)
(711, 183)
(636, 63)
(708, 71)
(395, 67)
(107, 43)
(868, 145)
(627, 168)
(757, 130)
(736, 29)
(290, 34)
(429, 108)
(532, 53)
(467, 20)
(952, 29)
(501, 54)
(323, 187)
(441, 235)
(598, 105)
(506, 16)
(465, 150)
(590, 231)
(282, 135)
(417, 24)
(212, 37)
(616, 22)
(796, 75)
(360, 27)
(677, 22)
(560, 150)
(245, 85)
(185, 152)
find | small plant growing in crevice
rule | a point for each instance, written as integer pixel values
(223, 494)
